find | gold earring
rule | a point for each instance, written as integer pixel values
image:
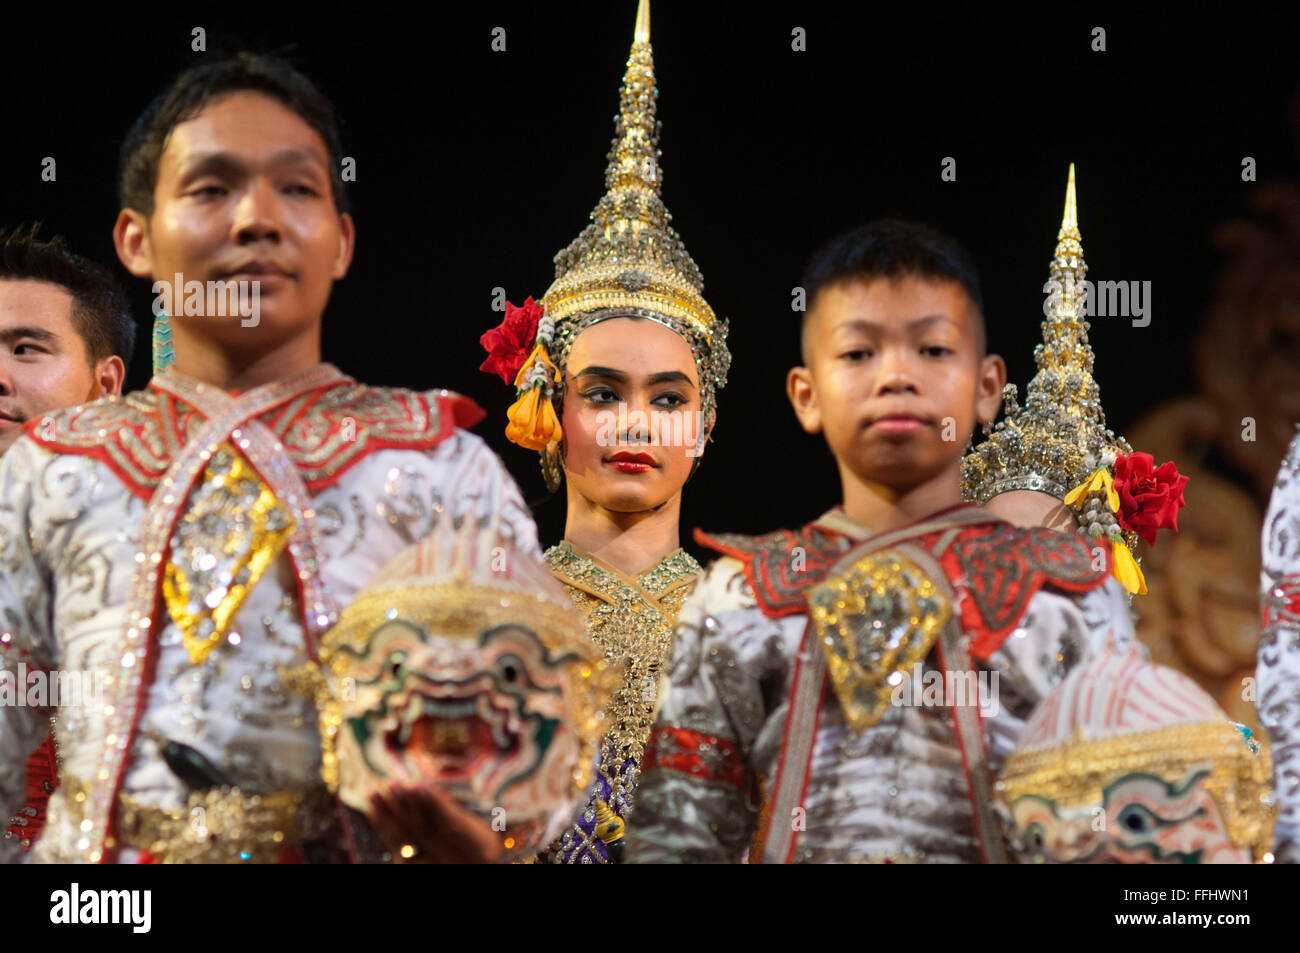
(552, 471)
(699, 453)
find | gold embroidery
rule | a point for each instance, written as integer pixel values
(220, 826)
(877, 618)
(140, 435)
(631, 621)
(232, 529)
(223, 826)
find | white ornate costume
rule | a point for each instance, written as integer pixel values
(871, 769)
(184, 548)
(1278, 672)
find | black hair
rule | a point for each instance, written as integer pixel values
(895, 249)
(187, 94)
(101, 313)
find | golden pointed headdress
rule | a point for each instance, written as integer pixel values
(1058, 443)
(630, 261)
(1060, 436)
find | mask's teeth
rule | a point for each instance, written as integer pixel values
(449, 708)
(407, 716)
(412, 710)
(496, 720)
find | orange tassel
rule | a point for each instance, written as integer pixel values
(533, 421)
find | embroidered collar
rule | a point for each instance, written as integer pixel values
(1001, 565)
(599, 579)
(324, 420)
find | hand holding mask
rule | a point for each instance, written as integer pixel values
(461, 670)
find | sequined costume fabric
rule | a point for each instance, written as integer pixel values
(42, 778)
(182, 550)
(893, 791)
(631, 621)
(1278, 668)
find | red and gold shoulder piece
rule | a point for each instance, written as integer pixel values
(136, 436)
(783, 565)
(1001, 567)
(330, 430)
(325, 431)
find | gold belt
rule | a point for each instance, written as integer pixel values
(222, 826)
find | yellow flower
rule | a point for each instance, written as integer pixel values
(1126, 568)
(551, 431)
(1100, 479)
(533, 423)
(521, 415)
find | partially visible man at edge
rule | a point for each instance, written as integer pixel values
(66, 334)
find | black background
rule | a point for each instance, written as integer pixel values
(475, 167)
(491, 908)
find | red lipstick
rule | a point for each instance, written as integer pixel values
(631, 462)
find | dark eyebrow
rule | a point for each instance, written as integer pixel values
(219, 163)
(596, 371)
(665, 376)
(612, 374)
(40, 334)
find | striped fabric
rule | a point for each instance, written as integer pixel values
(1117, 693)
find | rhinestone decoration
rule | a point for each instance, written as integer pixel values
(1059, 437)
(630, 261)
(231, 530)
(877, 618)
(631, 621)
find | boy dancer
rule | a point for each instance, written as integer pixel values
(826, 674)
(183, 550)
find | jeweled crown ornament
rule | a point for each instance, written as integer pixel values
(463, 665)
(1127, 761)
(629, 262)
(1058, 442)
(1059, 436)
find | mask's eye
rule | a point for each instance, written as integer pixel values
(1137, 820)
(511, 670)
(393, 668)
(1034, 836)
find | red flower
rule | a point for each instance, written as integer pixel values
(509, 344)
(1149, 499)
